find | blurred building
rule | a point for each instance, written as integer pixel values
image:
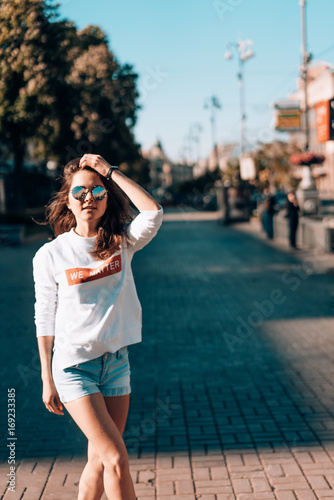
(320, 95)
(225, 153)
(163, 172)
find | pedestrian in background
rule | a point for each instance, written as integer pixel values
(268, 211)
(87, 312)
(292, 214)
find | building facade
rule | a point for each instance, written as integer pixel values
(320, 89)
(163, 172)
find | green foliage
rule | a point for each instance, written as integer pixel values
(31, 48)
(104, 110)
(272, 164)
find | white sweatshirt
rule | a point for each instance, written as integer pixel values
(90, 306)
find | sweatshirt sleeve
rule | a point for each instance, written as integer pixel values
(46, 293)
(144, 227)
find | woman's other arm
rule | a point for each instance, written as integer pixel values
(50, 395)
(45, 311)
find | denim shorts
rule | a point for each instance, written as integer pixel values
(108, 374)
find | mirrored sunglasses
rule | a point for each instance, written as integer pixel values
(80, 193)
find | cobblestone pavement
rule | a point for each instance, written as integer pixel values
(232, 386)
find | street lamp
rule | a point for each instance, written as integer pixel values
(194, 132)
(244, 50)
(306, 58)
(307, 191)
(213, 104)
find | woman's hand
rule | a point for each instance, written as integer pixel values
(51, 398)
(96, 162)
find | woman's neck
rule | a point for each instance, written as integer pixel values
(86, 230)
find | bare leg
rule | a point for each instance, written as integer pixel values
(91, 485)
(92, 416)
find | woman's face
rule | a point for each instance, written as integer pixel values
(87, 210)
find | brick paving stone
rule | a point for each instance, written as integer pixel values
(225, 496)
(255, 496)
(285, 495)
(178, 497)
(324, 494)
(318, 482)
(287, 483)
(292, 470)
(184, 486)
(165, 487)
(219, 472)
(141, 497)
(145, 490)
(242, 485)
(274, 470)
(329, 478)
(203, 473)
(320, 457)
(245, 469)
(260, 484)
(215, 489)
(177, 473)
(305, 495)
(202, 485)
(207, 497)
(251, 459)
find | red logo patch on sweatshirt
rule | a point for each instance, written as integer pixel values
(79, 275)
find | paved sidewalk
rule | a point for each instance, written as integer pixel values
(232, 386)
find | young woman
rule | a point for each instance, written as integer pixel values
(87, 312)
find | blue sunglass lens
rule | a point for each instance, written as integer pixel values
(99, 193)
(78, 192)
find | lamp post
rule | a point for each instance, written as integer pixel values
(213, 104)
(306, 58)
(244, 49)
(195, 131)
(307, 191)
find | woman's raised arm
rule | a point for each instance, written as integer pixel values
(139, 197)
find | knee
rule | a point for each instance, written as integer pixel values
(117, 462)
(96, 463)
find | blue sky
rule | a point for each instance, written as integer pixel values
(178, 46)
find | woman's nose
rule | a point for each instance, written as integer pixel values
(88, 196)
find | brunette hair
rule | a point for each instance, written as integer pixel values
(112, 226)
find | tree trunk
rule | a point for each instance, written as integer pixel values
(19, 149)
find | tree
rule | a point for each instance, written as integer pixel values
(31, 72)
(105, 107)
(272, 163)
